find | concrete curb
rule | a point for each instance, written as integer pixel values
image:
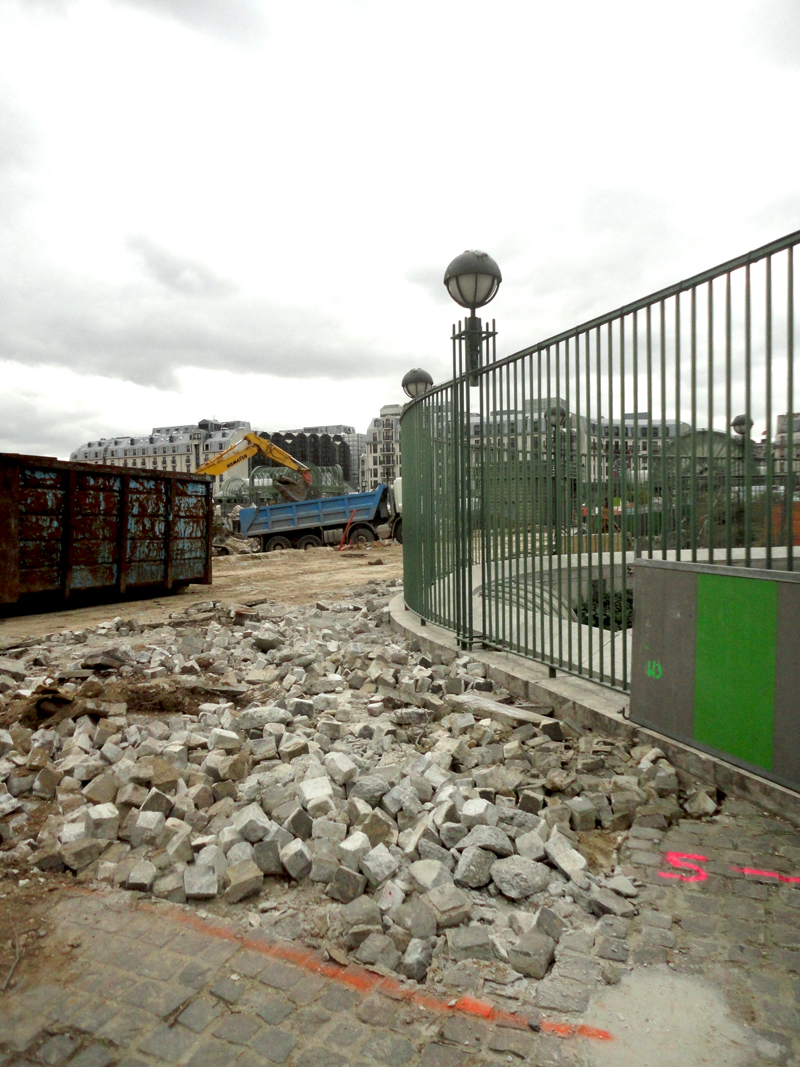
(594, 707)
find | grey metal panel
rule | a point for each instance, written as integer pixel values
(792, 577)
(786, 735)
(664, 636)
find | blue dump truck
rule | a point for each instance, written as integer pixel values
(310, 523)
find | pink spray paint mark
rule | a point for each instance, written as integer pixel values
(679, 859)
(767, 874)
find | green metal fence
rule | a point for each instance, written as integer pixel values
(665, 429)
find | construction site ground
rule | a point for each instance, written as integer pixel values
(282, 577)
(99, 976)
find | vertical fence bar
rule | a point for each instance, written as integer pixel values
(728, 419)
(769, 450)
(748, 451)
(789, 453)
(693, 402)
(623, 499)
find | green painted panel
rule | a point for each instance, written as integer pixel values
(734, 692)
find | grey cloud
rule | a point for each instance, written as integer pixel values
(237, 21)
(780, 216)
(24, 428)
(431, 280)
(623, 212)
(17, 137)
(178, 273)
(145, 333)
(628, 235)
(774, 27)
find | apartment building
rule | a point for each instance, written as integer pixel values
(168, 448)
(381, 460)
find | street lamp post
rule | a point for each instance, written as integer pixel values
(417, 383)
(472, 280)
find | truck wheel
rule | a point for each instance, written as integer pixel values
(362, 536)
(398, 531)
(309, 541)
(277, 544)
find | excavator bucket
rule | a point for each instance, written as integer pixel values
(290, 489)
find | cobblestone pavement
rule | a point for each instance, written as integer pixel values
(145, 988)
(151, 983)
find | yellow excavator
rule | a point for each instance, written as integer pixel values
(251, 445)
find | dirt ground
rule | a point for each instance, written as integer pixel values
(289, 578)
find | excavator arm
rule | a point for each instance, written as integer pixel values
(250, 445)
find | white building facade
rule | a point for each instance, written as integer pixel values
(381, 462)
(168, 448)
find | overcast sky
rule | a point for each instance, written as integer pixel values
(244, 208)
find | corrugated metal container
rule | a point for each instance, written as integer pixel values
(70, 527)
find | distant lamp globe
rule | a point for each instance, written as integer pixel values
(472, 279)
(742, 425)
(417, 383)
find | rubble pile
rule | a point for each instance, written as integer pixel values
(424, 823)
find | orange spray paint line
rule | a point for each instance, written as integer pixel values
(368, 981)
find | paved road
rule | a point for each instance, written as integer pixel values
(715, 979)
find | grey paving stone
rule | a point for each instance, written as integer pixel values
(699, 925)
(752, 890)
(646, 955)
(190, 943)
(160, 998)
(317, 1056)
(744, 909)
(218, 952)
(463, 1031)
(248, 1059)
(747, 954)
(274, 1044)
(238, 1029)
(335, 998)
(212, 1054)
(518, 1042)
(158, 934)
(195, 974)
(90, 1017)
(654, 935)
(784, 935)
(199, 1014)
(344, 1033)
(94, 1056)
(57, 1049)
(377, 1011)
(156, 964)
(307, 989)
(280, 975)
(170, 1043)
(737, 930)
(387, 1049)
(248, 963)
(562, 994)
(228, 990)
(309, 1019)
(436, 1055)
(272, 1009)
(128, 1024)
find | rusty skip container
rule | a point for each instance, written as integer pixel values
(78, 527)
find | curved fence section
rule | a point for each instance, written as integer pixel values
(665, 429)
